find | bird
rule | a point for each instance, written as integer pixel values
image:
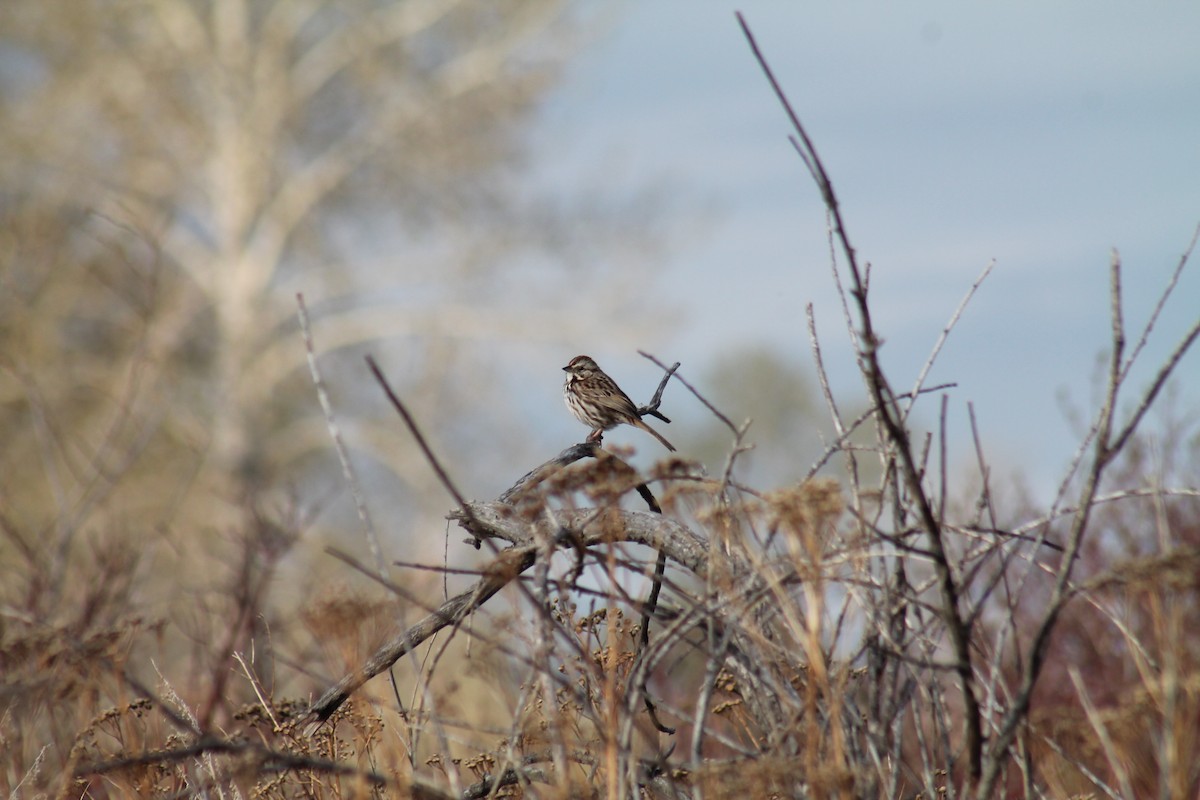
(594, 399)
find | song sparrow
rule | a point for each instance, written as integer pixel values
(594, 399)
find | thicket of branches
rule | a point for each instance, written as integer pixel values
(863, 633)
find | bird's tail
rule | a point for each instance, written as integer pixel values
(656, 435)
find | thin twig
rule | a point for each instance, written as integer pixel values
(258, 691)
(945, 334)
(443, 476)
(1102, 735)
(1167, 291)
(695, 392)
(1160, 380)
(335, 433)
(651, 408)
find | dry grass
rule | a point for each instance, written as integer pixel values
(788, 662)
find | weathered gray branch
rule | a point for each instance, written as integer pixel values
(497, 520)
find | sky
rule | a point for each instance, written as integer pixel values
(1040, 136)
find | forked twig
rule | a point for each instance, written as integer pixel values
(651, 408)
(695, 392)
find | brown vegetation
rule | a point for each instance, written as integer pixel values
(867, 631)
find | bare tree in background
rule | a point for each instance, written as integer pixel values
(172, 173)
(209, 159)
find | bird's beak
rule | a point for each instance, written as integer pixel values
(566, 369)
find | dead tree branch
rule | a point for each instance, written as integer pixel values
(500, 521)
(897, 433)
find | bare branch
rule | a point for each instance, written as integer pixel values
(945, 334)
(651, 408)
(497, 520)
(883, 398)
(695, 392)
(335, 433)
(416, 432)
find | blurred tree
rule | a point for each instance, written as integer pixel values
(173, 172)
(776, 393)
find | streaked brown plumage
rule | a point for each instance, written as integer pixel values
(594, 399)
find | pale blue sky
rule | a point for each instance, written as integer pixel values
(1040, 135)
